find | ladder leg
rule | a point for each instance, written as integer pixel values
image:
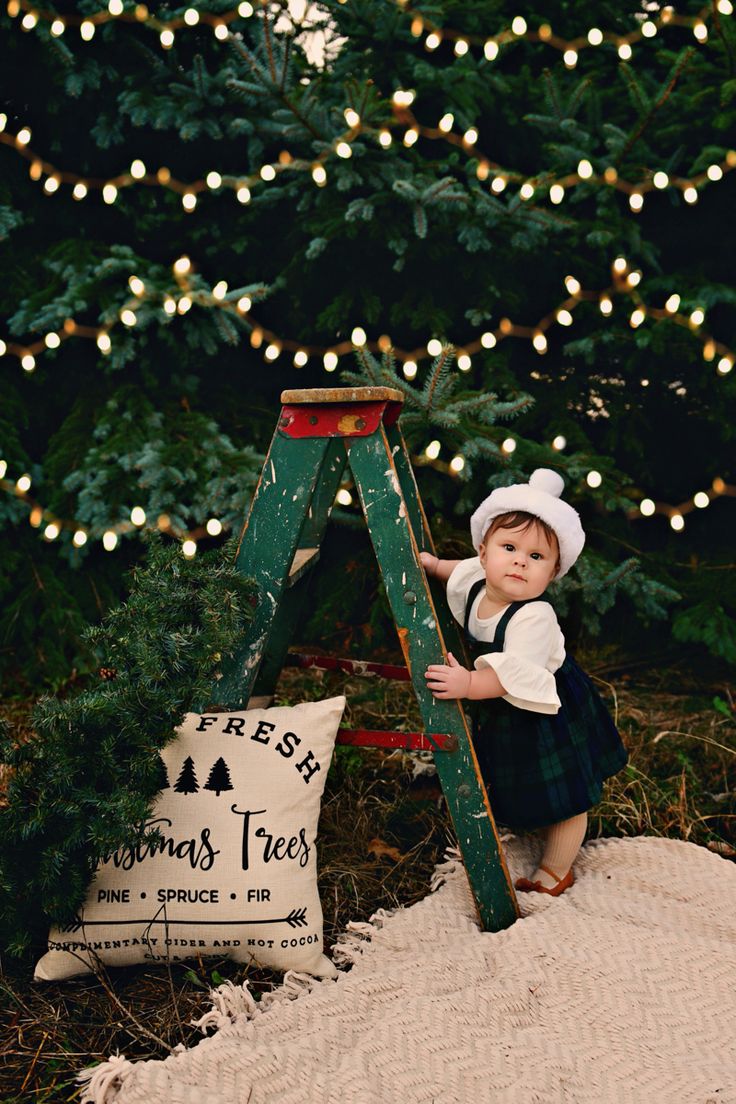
(389, 518)
(270, 537)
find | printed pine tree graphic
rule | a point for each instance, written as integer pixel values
(164, 776)
(219, 778)
(187, 780)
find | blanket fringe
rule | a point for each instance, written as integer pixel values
(100, 1084)
(232, 1002)
(352, 942)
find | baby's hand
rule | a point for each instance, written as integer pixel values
(452, 681)
(429, 562)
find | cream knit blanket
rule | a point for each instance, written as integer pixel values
(621, 990)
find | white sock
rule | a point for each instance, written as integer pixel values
(562, 843)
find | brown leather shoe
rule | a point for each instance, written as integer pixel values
(537, 887)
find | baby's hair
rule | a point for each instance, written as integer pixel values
(520, 519)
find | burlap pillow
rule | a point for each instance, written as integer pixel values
(234, 872)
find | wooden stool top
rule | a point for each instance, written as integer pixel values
(342, 395)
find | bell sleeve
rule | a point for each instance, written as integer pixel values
(534, 648)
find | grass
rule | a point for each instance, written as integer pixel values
(381, 833)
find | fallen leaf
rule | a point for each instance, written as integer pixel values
(380, 848)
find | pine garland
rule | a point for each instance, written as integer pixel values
(82, 786)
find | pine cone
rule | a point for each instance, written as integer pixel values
(108, 673)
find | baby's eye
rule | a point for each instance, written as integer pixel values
(537, 556)
(508, 548)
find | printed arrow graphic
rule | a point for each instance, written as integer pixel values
(297, 918)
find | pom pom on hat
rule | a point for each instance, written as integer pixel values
(540, 497)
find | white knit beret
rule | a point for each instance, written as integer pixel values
(541, 498)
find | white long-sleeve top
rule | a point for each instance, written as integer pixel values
(534, 646)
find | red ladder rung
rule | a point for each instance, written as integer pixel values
(348, 666)
(408, 741)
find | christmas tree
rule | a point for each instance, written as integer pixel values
(219, 777)
(187, 782)
(202, 205)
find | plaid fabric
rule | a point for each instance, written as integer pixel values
(540, 768)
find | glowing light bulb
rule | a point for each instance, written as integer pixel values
(51, 531)
(605, 305)
(23, 485)
(677, 522)
(556, 193)
(128, 317)
(636, 201)
(637, 317)
(526, 191)
(29, 21)
(461, 47)
(268, 172)
(330, 361)
(690, 195)
(28, 362)
(570, 58)
(498, 184)
(136, 285)
(403, 97)
(245, 303)
(620, 265)
(434, 347)
(358, 336)
(585, 169)
(319, 176)
(189, 549)
(697, 317)
(559, 443)
(595, 36)
(410, 369)
(57, 28)
(79, 191)
(594, 479)
(470, 137)
(245, 10)
(300, 358)
(23, 136)
(701, 32)
(649, 29)
(272, 351)
(182, 266)
(714, 172)
(214, 527)
(660, 179)
(457, 463)
(243, 194)
(385, 138)
(3, 468)
(109, 540)
(352, 118)
(189, 201)
(633, 278)
(53, 341)
(725, 364)
(52, 184)
(564, 317)
(214, 180)
(138, 515)
(432, 450)
(411, 136)
(518, 25)
(625, 52)
(464, 362)
(191, 17)
(647, 507)
(79, 539)
(87, 30)
(725, 7)
(488, 340)
(166, 38)
(219, 291)
(221, 33)
(109, 193)
(104, 344)
(539, 341)
(572, 285)
(445, 123)
(701, 500)
(509, 445)
(490, 49)
(432, 41)
(184, 304)
(137, 169)
(343, 497)
(115, 7)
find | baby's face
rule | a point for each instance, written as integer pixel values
(519, 563)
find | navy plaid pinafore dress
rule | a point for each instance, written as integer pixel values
(540, 768)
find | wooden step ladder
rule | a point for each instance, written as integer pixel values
(319, 433)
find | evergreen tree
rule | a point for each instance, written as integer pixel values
(82, 787)
(313, 200)
(219, 777)
(187, 782)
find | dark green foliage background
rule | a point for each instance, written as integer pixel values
(404, 241)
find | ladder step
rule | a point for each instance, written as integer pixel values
(408, 741)
(349, 666)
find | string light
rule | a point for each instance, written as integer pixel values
(432, 450)
(509, 445)
(594, 479)
(343, 497)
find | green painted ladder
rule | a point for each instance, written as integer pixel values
(319, 434)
